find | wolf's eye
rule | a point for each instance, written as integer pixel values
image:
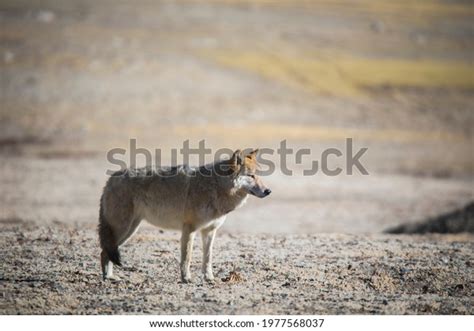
(252, 176)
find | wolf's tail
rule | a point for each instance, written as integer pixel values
(107, 238)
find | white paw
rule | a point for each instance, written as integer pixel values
(186, 279)
(209, 278)
(112, 278)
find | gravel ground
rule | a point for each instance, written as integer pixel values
(55, 270)
(80, 78)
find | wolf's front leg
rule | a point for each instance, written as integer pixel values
(207, 241)
(187, 238)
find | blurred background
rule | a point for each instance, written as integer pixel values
(81, 77)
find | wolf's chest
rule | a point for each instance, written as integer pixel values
(218, 209)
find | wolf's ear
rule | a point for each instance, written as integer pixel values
(253, 154)
(237, 159)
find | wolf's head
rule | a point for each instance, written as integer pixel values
(244, 168)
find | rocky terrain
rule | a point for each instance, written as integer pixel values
(55, 270)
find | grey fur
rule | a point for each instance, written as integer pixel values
(176, 198)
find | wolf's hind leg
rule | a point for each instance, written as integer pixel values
(107, 266)
(124, 235)
(130, 232)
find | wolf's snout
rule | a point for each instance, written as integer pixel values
(267, 192)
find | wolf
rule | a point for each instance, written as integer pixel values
(189, 199)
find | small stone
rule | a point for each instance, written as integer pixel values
(8, 56)
(46, 16)
(459, 287)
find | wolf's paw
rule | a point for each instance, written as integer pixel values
(209, 279)
(112, 278)
(186, 280)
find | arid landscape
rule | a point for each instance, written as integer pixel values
(79, 78)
